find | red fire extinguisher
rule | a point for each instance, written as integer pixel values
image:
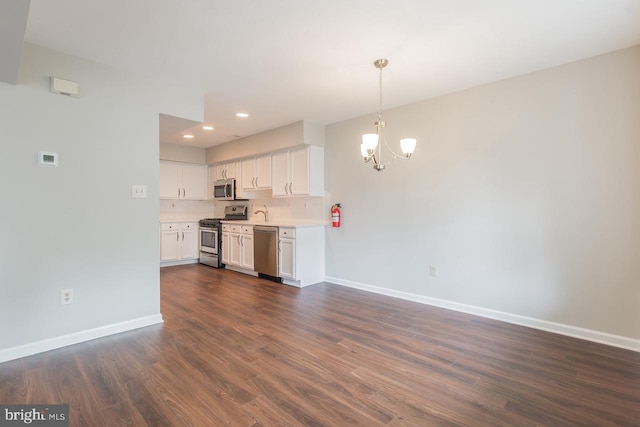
(335, 215)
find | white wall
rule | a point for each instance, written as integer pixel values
(76, 226)
(525, 194)
(182, 153)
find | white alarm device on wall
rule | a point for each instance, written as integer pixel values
(47, 159)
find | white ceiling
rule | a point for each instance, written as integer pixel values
(289, 60)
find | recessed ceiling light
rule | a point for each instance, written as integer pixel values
(207, 127)
(187, 136)
(243, 115)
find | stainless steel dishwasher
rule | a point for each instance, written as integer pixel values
(265, 250)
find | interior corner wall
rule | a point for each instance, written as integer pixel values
(524, 195)
(76, 226)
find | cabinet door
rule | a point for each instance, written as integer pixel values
(226, 171)
(170, 245)
(234, 249)
(263, 171)
(280, 174)
(194, 181)
(189, 240)
(248, 174)
(220, 171)
(287, 260)
(299, 170)
(230, 170)
(247, 251)
(226, 247)
(169, 175)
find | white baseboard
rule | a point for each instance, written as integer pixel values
(77, 337)
(180, 262)
(558, 328)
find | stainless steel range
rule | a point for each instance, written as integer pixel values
(211, 235)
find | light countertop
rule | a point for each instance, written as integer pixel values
(294, 223)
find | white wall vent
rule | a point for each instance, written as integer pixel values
(64, 87)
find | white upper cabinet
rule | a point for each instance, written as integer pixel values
(298, 172)
(169, 188)
(194, 182)
(226, 171)
(256, 172)
(183, 181)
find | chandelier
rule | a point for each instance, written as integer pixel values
(371, 147)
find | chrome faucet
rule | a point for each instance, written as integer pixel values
(265, 212)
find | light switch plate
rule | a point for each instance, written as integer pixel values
(66, 296)
(139, 191)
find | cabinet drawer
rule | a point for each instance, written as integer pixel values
(189, 226)
(170, 226)
(235, 228)
(226, 227)
(288, 233)
(247, 229)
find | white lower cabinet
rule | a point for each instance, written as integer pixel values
(237, 246)
(178, 241)
(301, 255)
(226, 246)
(287, 253)
(246, 243)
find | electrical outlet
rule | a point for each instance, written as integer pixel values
(139, 191)
(66, 296)
(433, 271)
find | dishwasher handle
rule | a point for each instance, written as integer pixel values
(265, 229)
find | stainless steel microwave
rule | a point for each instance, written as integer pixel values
(224, 190)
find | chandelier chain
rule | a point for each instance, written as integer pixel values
(380, 99)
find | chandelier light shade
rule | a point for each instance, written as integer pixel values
(408, 146)
(371, 146)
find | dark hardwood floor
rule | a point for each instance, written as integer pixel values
(239, 351)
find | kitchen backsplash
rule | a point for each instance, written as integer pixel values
(303, 208)
(186, 209)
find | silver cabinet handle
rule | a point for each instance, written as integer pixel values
(183, 236)
(184, 193)
(256, 182)
(178, 193)
(177, 236)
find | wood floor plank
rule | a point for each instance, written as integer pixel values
(242, 351)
